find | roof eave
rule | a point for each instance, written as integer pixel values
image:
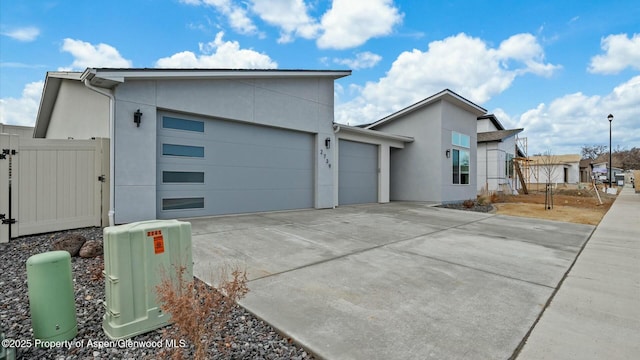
(374, 133)
(108, 77)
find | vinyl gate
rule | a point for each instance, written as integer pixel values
(50, 185)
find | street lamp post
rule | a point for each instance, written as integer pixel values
(610, 118)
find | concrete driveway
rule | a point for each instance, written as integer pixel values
(394, 281)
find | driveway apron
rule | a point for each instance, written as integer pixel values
(393, 281)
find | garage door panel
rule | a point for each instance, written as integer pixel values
(247, 168)
(257, 156)
(236, 201)
(357, 173)
(269, 179)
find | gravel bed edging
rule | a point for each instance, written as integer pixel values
(252, 337)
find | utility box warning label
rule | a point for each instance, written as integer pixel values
(158, 241)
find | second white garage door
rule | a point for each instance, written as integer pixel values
(212, 167)
(357, 173)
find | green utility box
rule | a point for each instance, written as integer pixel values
(51, 299)
(6, 353)
(136, 258)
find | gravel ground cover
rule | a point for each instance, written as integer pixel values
(475, 207)
(252, 338)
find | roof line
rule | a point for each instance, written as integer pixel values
(427, 101)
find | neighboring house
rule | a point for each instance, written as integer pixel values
(21, 131)
(198, 142)
(496, 150)
(440, 164)
(555, 169)
(600, 166)
(586, 170)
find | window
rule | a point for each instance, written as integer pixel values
(461, 158)
(508, 169)
(183, 203)
(182, 177)
(182, 150)
(182, 124)
(461, 140)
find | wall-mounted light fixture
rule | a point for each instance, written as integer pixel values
(327, 143)
(137, 117)
(447, 153)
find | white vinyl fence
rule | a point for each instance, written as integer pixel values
(50, 185)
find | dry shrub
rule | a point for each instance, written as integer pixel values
(468, 203)
(483, 200)
(199, 313)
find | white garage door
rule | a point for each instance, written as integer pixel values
(357, 173)
(212, 167)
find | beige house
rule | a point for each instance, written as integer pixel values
(554, 169)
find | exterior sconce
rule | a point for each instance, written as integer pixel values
(327, 143)
(137, 117)
(447, 153)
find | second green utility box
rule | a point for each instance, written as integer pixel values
(137, 257)
(51, 298)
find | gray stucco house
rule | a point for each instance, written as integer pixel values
(197, 142)
(441, 163)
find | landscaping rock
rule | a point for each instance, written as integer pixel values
(249, 338)
(70, 243)
(91, 248)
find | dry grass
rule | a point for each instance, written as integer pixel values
(577, 206)
(200, 313)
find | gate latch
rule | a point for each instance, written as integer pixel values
(6, 221)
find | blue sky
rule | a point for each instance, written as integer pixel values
(555, 68)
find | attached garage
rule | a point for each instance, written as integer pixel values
(357, 172)
(209, 166)
(363, 164)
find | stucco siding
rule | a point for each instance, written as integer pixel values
(415, 171)
(79, 113)
(464, 122)
(484, 125)
(297, 104)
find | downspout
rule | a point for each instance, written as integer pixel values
(336, 163)
(112, 103)
(486, 167)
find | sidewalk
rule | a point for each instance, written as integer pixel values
(596, 312)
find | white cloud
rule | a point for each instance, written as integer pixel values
(22, 111)
(621, 52)
(507, 121)
(346, 24)
(236, 15)
(219, 54)
(526, 49)
(350, 23)
(291, 16)
(88, 55)
(574, 120)
(461, 63)
(25, 34)
(362, 60)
